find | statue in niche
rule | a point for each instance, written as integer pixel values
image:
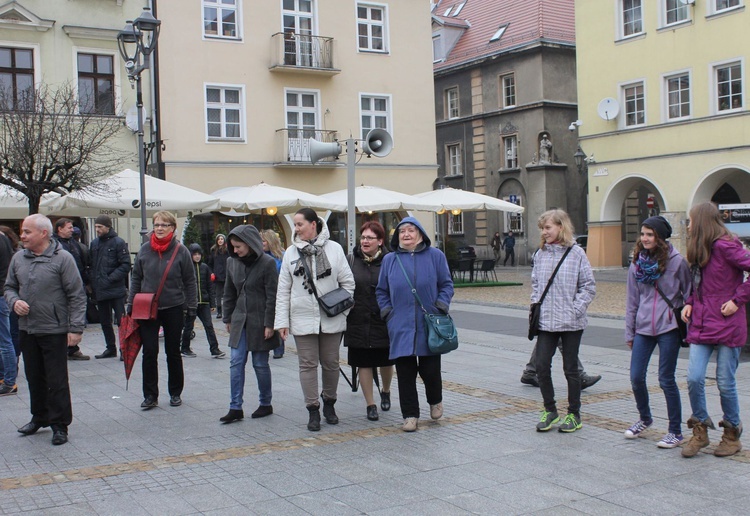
(545, 149)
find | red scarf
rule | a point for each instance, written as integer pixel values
(161, 244)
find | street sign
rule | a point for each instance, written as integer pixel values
(650, 203)
(513, 199)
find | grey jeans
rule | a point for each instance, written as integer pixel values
(531, 366)
(312, 350)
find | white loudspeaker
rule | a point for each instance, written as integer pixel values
(378, 143)
(320, 150)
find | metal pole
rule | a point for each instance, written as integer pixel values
(351, 213)
(141, 154)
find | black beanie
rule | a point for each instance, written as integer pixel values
(660, 225)
(103, 220)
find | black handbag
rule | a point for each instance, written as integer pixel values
(536, 308)
(677, 311)
(332, 303)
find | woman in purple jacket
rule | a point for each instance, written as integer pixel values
(716, 313)
(650, 321)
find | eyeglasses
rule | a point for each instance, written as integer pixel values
(368, 238)
(162, 226)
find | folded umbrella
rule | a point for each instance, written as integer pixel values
(130, 344)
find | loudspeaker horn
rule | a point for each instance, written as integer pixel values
(378, 143)
(321, 150)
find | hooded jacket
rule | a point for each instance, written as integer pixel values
(646, 312)
(205, 287)
(428, 271)
(296, 308)
(721, 280)
(110, 266)
(51, 284)
(249, 297)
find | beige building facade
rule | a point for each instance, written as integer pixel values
(663, 104)
(244, 85)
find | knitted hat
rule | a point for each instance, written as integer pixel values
(103, 220)
(660, 225)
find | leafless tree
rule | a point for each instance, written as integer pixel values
(48, 145)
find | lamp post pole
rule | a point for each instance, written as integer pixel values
(141, 155)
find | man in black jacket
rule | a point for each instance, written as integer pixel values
(110, 265)
(64, 235)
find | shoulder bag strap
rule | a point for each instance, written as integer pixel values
(166, 271)
(663, 296)
(309, 274)
(413, 290)
(551, 279)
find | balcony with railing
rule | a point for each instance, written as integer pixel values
(295, 147)
(302, 53)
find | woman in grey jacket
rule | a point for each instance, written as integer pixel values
(249, 309)
(649, 321)
(563, 313)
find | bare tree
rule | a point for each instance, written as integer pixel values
(48, 145)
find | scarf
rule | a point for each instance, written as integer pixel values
(160, 244)
(646, 268)
(368, 259)
(322, 266)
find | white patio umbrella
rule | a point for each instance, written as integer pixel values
(373, 198)
(263, 195)
(119, 195)
(14, 204)
(455, 199)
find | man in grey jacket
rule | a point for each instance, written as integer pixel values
(45, 289)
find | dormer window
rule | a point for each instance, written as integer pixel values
(499, 34)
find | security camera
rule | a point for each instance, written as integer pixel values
(572, 127)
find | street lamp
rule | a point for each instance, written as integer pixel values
(136, 43)
(580, 159)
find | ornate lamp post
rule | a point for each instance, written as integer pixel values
(136, 43)
(580, 159)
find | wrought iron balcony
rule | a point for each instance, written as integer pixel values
(293, 52)
(295, 146)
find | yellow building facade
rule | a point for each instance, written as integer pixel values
(665, 122)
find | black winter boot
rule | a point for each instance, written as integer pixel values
(329, 412)
(314, 423)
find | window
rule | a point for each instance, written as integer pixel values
(728, 86)
(224, 113)
(635, 105)
(632, 17)
(499, 33)
(371, 28)
(510, 148)
(451, 103)
(374, 113)
(509, 90)
(678, 96)
(96, 79)
(298, 33)
(454, 160)
(455, 224)
(723, 5)
(437, 48)
(16, 78)
(220, 19)
(301, 122)
(676, 11)
(513, 221)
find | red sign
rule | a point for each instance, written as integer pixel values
(650, 202)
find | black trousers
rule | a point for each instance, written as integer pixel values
(219, 293)
(428, 368)
(546, 345)
(204, 314)
(510, 253)
(105, 308)
(172, 319)
(45, 359)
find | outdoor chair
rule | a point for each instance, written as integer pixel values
(487, 268)
(466, 266)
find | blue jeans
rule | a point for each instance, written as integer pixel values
(727, 360)
(8, 359)
(669, 349)
(237, 361)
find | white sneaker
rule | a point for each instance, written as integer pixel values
(410, 424)
(436, 411)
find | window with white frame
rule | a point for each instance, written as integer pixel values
(96, 83)
(728, 79)
(16, 78)
(372, 26)
(675, 12)
(678, 96)
(514, 221)
(451, 103)
(510, 149)
(453, 157)
(723, 5)
(221, 19)
(375, 113)
(635, 104)
(632, 17)
(508, 83)
(437, 48)
(224, 113)
(455, 224)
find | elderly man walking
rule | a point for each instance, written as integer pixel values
(44, 288)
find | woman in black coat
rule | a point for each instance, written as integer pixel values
(366, 333)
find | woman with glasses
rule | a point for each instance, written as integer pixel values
(179, 290)
(366, 333)
(715, 313)
(414, 262)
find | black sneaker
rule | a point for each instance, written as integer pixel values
(7, 390)
(217, 353)
(187, 352)
(108, 353)
(218, 316)
(149, 402)
(547, 420)
(588, 380)
(175, 401)
(571, 424)
(529, 379)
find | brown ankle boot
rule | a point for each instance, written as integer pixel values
(700, 436)
(730, 441)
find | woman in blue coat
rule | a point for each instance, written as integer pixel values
(428, 271)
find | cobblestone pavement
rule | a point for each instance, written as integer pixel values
(482, 457)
